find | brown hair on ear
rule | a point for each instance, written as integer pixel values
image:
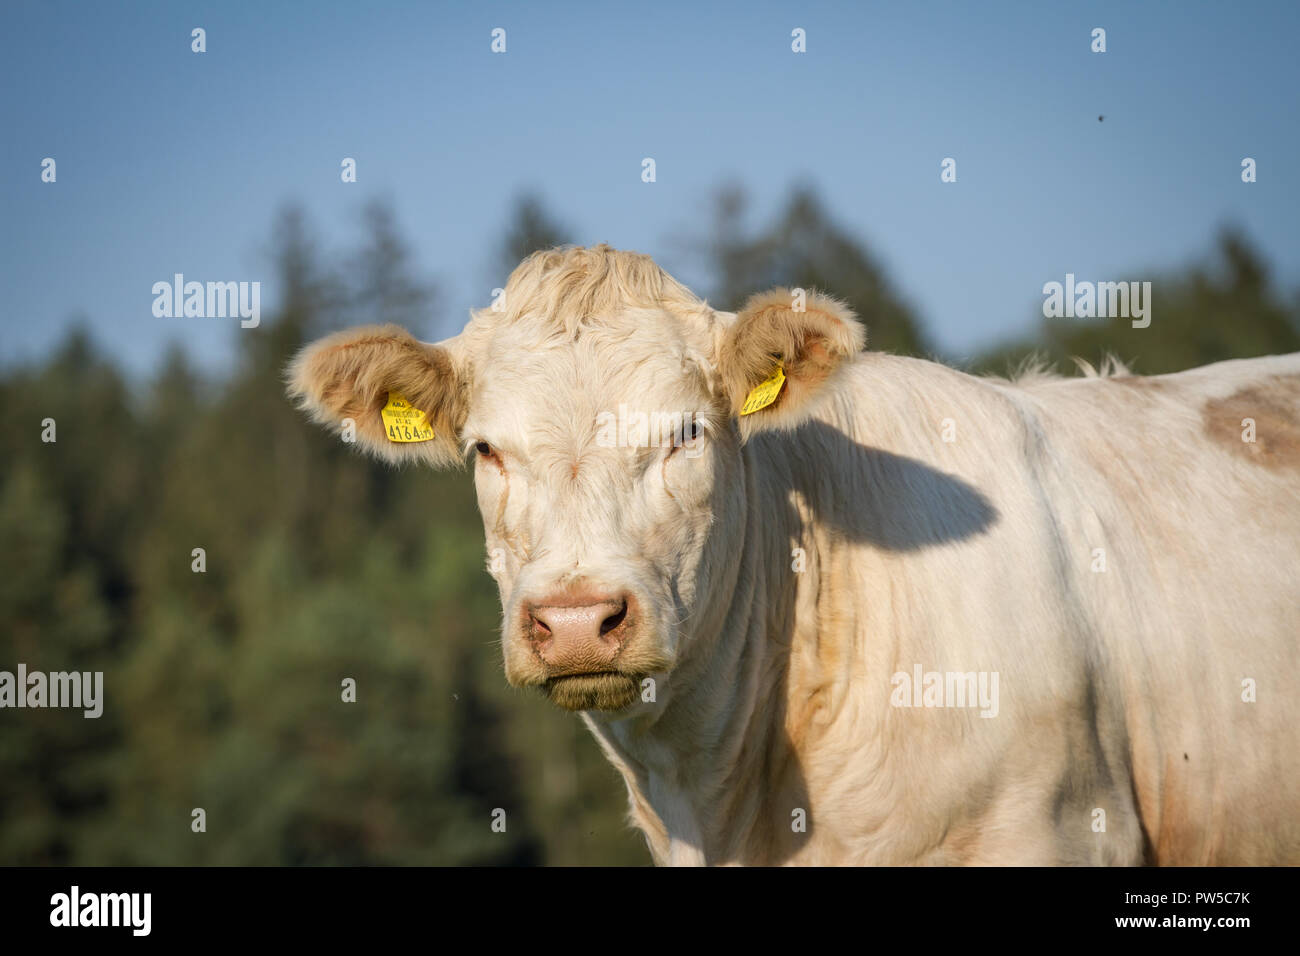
(348, 375)
(811, 345)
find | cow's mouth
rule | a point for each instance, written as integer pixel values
(604, 690)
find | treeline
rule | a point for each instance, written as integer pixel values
(223, 688)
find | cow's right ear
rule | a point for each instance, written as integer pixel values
(345, 381)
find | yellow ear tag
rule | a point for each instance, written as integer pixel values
(404, 423)
(765, 392)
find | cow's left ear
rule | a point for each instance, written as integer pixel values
(783, 349)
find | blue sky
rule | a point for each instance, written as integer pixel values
(171, 161)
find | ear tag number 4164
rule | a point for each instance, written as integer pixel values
(402, 422)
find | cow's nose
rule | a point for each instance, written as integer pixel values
(578, 638)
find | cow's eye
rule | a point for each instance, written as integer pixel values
(484, 449)
(688, 437)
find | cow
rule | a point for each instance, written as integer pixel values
(827, 606)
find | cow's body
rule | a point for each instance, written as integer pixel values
(741, 615)
(1120, 690)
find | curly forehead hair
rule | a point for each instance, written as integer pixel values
(568, 287)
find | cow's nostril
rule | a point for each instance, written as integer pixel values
(614, 620)
(579, 638)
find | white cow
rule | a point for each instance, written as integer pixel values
(897, 614)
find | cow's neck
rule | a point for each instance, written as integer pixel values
(712, 769)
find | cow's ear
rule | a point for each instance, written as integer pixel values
(346, 381)
(782, 350)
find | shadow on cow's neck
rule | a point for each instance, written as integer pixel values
(866, 494)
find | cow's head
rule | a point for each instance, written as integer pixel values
(604, 407)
